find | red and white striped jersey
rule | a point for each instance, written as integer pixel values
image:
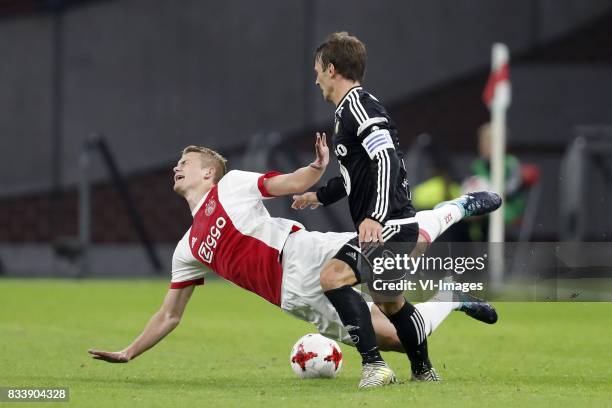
(234, 235)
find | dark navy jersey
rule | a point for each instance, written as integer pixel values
(372, 169)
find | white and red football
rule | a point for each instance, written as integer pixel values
(316, 356)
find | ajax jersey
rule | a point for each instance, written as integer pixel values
(234, 235)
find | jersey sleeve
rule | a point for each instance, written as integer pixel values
(333, 191)
(186, 270)
(372, 125)
(375, 137)
(246, 184)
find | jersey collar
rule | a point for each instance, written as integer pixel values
(197, 207)
(355, 88)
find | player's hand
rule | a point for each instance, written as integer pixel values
(304, 200)
(370, 232)
(321, 151)
(110, 356)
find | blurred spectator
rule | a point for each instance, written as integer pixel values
(443, 185)
(514, 204)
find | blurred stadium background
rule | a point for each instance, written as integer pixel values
(97, 98)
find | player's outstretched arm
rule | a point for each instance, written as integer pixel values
(303, 178)
(163, 322)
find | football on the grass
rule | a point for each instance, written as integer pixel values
(316, 356)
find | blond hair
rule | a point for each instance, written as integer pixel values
(209, 158)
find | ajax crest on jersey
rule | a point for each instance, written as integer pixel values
(210, 207)
(316, 356)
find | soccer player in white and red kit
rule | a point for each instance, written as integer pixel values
(234, 236)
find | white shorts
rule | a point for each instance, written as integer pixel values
(304, 255)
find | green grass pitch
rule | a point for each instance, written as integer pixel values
(232, 349)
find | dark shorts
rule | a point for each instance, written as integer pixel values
(367, 264)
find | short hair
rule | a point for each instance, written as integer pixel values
(346, 52)
(209, 158)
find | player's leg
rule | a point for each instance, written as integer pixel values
(410, 327)
(433, 223)
(338, 276)
(337, 281)
(406, 319)
(433, 313)
(386, 335)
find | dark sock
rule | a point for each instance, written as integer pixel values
(411, 332)
(355, 316)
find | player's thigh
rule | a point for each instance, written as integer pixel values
(304, 257)
(337, 273)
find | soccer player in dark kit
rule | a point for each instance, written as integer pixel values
(374, 179)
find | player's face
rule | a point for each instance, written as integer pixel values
(323, 80)
(188, 173)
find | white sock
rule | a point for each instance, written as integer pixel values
(432, 223)
(434, 313)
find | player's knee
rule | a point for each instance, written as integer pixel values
(391, 307)
(336, 274)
